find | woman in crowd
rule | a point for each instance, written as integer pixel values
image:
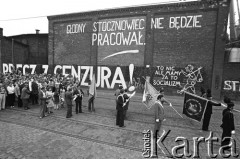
(50, 103)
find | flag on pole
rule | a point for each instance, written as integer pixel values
(194, 106)
(150, 95)
(92, 88)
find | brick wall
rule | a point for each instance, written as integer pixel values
(20, 52)
(38, 47)
(231, 79)
(156, 42)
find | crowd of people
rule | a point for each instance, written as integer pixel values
(49, 91)
(57, 91)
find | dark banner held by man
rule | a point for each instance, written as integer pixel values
(194, 106)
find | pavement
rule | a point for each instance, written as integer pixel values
(23, 135)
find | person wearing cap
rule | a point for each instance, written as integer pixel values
(43, 98)
(227, 125)
(120, 109)
(208, 110)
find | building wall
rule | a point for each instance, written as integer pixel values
(231, 79)
(38, 47)
(18, 50)
(162, 36)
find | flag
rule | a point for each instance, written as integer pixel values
(194, 106)
(92, 88)
(150, 95)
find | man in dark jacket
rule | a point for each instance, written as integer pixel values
(120, 103)
(34, 93)
(227, 125)
(208, 111)
(117, 93)
(68, 99)
(126, 100)
(78, 94)
(25, 96)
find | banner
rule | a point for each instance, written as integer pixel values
(149, 95)
(194, 106)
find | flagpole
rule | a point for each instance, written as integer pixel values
(209, 100)
(176, 111)
(159, 93)
(233, 109)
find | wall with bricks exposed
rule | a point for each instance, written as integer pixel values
(18, 50)
(231, 79)
(173, 35)
(38, 47)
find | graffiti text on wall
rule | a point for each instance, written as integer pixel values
(177, 22)
(118, 32)
(106, 78)
(232, 86)
(185, 79)
(168, 76)
(76, 28)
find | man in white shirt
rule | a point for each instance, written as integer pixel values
(10, 95)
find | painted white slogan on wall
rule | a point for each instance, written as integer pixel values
(113, 32)
(232, 86)
(103, 76)
(178, 22)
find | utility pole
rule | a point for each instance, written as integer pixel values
(238, 13)
(13, 51)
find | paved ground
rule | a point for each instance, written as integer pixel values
(94, 135)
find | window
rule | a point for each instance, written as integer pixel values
(234, 55)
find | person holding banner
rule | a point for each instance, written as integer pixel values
(208, 111)
(227, 125)
(164, 99)
(159, 118)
